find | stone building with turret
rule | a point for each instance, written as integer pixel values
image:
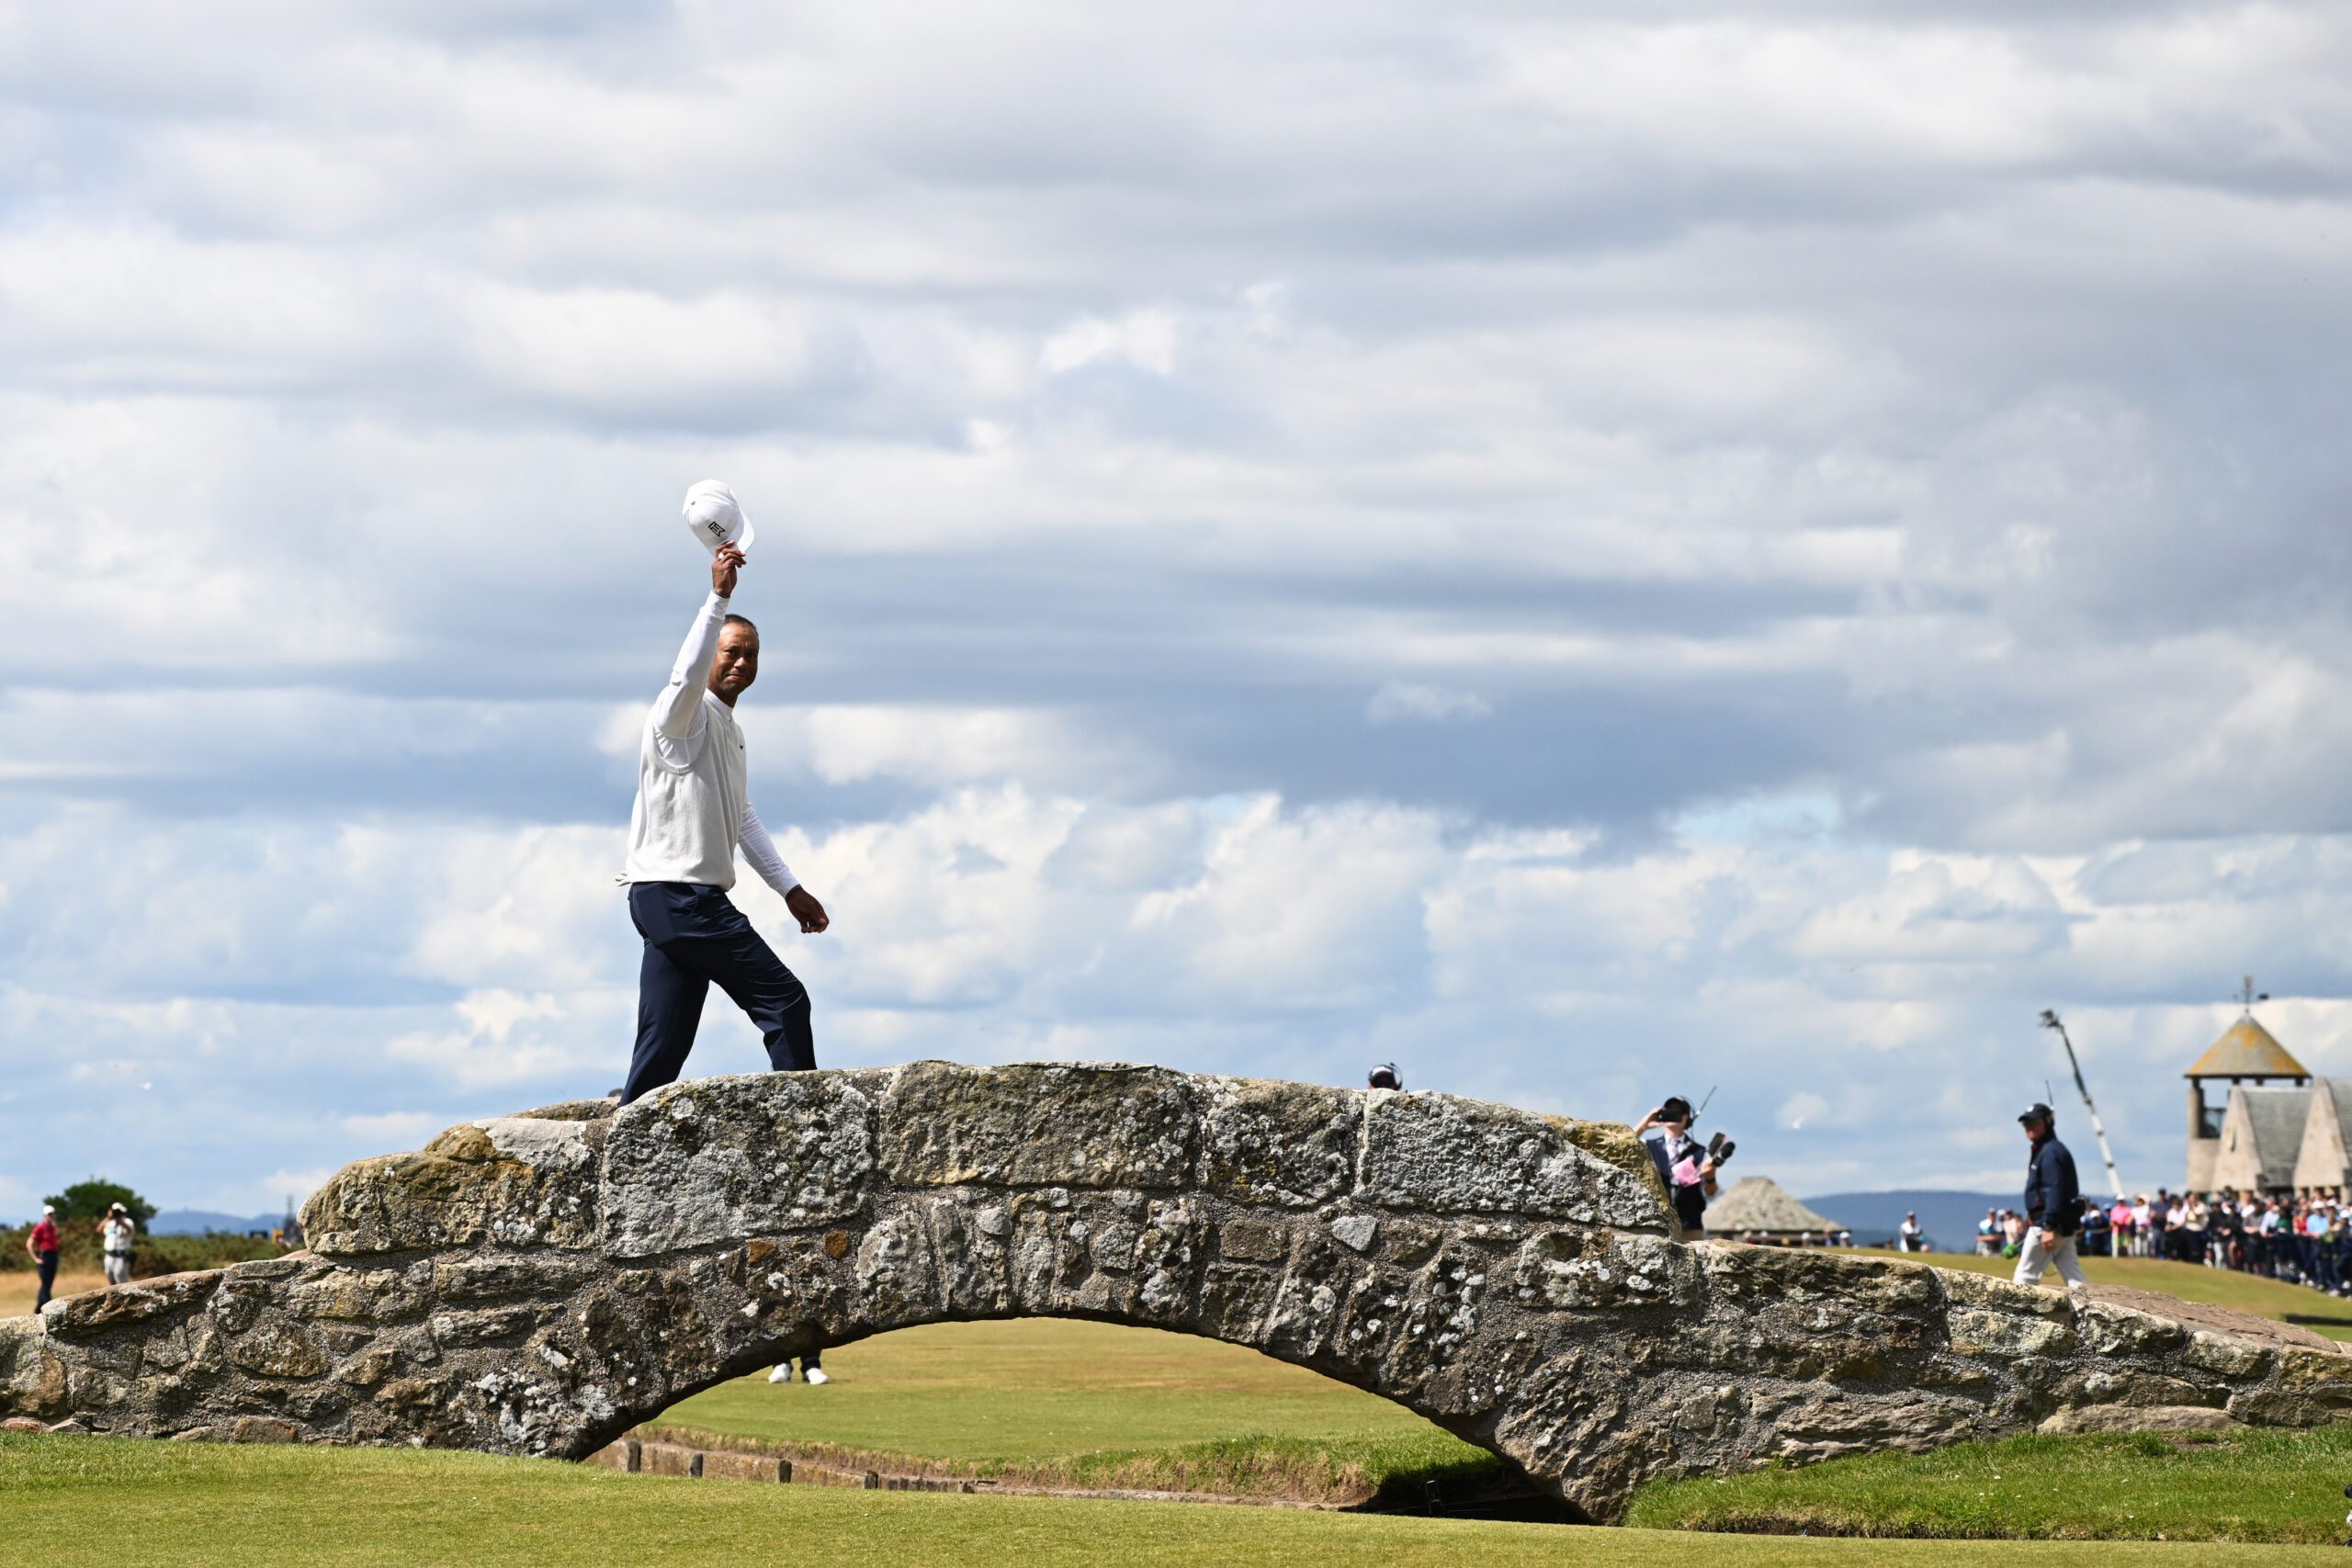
(2253, 1139)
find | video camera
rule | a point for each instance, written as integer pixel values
(1675, 1108)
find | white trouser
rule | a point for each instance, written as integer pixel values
(117, 1268)
(2034, 1258)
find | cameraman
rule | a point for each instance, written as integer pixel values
(1688, 1170)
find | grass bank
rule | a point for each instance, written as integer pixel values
(102, 1503)
(1061, 1403)
(2258, 1485)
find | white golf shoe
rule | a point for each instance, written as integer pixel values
(782, 1374)
(815, 1374)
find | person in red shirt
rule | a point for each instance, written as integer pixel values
(42, 1245)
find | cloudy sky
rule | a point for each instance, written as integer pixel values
(1590, 552)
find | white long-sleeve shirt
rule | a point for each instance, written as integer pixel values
(693, 808)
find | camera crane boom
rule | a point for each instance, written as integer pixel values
(2049, 1021)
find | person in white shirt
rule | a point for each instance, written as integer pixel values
(115, 1234)
(693, 810)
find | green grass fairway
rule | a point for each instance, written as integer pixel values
(2263, 1485)
(1088, 1405)
(2191, 1283)
(103, 1503)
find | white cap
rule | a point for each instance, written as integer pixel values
(713, 517)
(49, 1208)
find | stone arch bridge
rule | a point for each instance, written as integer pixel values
(537, 1284)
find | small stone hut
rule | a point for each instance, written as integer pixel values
(1760, 1209)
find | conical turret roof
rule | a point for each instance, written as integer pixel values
(2246, 1050)
(1760, 1203)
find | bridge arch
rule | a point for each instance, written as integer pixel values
(537, 1284)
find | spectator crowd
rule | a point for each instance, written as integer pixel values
(2305, 1240)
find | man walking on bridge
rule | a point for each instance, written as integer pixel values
(693, 809)
(2054, 1205)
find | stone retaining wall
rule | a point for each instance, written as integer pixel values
(541, 1284)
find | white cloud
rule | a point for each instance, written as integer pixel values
(1145, 339)
(1408, 702)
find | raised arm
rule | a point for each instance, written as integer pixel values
(677, 712)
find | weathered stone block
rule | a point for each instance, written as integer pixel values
(1806, 1275)
(669, 1459)
(515, 1180)
(1234, 1302)
(718, 1159)
(2124, 1385)
(1280, 1143)
(456, 1329)
(369, 1367)
(1963, 1289)
(1978, 1332)
(277, 1347)
(1559, 1271)
(488, 1280)
(1433, 1152)
(574, 1110)
(2274, 1408)
(719, 1466)
(2111, 1329)
(141, 1301)
(2227, 1354)
(355, 1295)
(1082, 1124)
(623, 1456)
(1253, 1241)
(2316, 1371)
(2140, 1418)
(897, 1278)
(32, 1379)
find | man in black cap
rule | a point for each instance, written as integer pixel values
(2053, 1204)
(1687, 1168)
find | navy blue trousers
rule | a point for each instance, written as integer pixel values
(694, 935)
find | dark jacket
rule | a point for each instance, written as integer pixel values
(2052, 1200)
(1690, 1201)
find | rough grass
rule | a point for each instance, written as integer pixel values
(103, 1503)
(151, 1255)
(2258, 1485)
(1073, 1404)
(17, 1290)
(2251, 1293)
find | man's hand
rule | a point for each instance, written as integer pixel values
(723, 567)
(805, 909)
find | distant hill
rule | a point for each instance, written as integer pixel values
(1949, 1218)
(198, 1222)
